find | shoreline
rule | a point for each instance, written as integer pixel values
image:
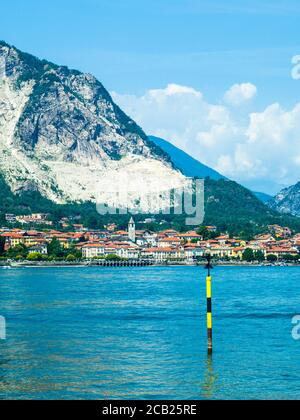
(131, 264)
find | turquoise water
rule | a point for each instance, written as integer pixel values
(106, 333)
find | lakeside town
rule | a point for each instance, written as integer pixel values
(81, 244)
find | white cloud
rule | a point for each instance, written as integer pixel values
(250, 148)
(173, 89)
(240, 93)
(179, 113)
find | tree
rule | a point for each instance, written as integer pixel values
(77, 253)
(19, 251)
(71, 258)
(272, 258)
(2, 245)
(55, 248)
(113, 257)
(291, 258)
(259, 256)
(206, 234)
(248, 255)
(35, 256)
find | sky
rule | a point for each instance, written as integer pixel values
(214, 77)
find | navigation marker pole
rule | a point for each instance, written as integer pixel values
(209, 267)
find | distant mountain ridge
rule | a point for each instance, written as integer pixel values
(265, 198)
(187, 164)
(192, 167)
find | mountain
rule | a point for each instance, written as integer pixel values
(62, 135)
(192, 167)
(65, 144)
(288, 201)
(186, 163)
(263, 197)
(237, 210)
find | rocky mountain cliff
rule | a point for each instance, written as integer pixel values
(64, 141)
(288, 201)
(61, 134)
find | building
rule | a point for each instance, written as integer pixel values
(190, 236)
(40, 249)
(141, 241)
(11, 218)
(280, 232)
(131, 230)
(146, 239)
(223, 239)
(78, 227)
(90, 251)
(169, 242)
(265, 238)
(281, 252)
(169, 233)
(211, 229)
(130, 253)
(149, 220)
(161, 255)
(124, 250)
(112, 227)
(38, 218)
(14, 239)
(193, 252)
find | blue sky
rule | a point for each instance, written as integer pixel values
(133, 45)
(136, 46)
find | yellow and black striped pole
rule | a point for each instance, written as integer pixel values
(209, 305)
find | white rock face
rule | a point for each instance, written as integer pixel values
(18, 168)
(287, 201)
(61, 133)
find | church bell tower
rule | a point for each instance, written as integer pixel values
(131, 230)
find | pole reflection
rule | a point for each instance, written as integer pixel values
(210, 380)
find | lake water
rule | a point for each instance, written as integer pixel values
(123, 333)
